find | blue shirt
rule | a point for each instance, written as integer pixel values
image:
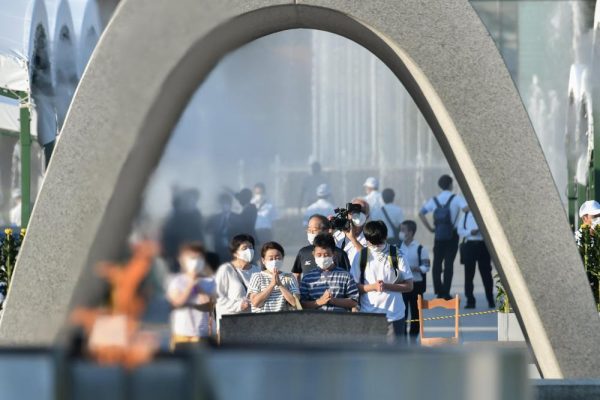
(339, 282)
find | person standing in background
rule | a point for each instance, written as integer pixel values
(372, 196)
(244, 222)
(391, 215)
(183, 225)
(446, 208)
(417, 257)
(310, 184)
(220, 227)
(474, 253)
(266, 214)
(15, 211)
(322, 206)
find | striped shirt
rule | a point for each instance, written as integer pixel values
(275, 302)
(339, 282)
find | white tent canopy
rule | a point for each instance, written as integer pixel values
(25, 63)
(63, 56)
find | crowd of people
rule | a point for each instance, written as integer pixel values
(374, 264)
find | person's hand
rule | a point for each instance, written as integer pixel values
(276, 281)
(324, 299)
(202, 298)
(379, 286)
(475, 232)
(245, 305)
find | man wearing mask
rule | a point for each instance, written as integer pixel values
(191, 294)
(266, 214)
(305, 260)
(353, 240)
(589, 212)
(382, 275)
(328, 287)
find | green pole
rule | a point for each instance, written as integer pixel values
(25, 141)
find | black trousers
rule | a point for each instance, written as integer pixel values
(444, 251)
(476, 253)
(410, 304)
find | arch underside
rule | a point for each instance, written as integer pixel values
(439, 50)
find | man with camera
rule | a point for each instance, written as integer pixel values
(348, 225)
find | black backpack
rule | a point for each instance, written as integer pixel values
(363, 262)
(442, 220)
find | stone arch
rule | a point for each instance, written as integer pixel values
(439, 50)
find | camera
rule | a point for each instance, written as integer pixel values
(340, 221)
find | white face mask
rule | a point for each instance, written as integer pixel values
(194, 265)
(377, 248)
(324, 262)
(595, 222)
(246, 255)
(259, 198)
(402, 236)
(272, 264)
(311, 237)
(359, 219)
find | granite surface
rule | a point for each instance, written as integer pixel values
(153, 56)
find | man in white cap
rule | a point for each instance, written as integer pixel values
(373, 196)
(589, 212)
(322, 206)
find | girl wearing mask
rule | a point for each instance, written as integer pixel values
(233, 278)
(191, 293)
(272, 290)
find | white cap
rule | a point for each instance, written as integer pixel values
(372, 183)
(323, 190)
(590, 207)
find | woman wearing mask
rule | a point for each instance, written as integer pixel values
(191, 293)
(272, 290)
(233, 278)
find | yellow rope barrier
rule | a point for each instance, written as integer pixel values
(452, 316)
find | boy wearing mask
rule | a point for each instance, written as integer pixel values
(328, 287)
(382, 275)
(417, 258)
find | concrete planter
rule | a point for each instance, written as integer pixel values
(509, 329)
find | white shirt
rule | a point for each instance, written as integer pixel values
(411, 255)
(394, 212)
(186, 321)
(374, 199)
(348, 247)
(230, 290)
(379, 268)
(266, 213)
(464, 229)
(458, 203)
(15, 215)
(321, 207)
